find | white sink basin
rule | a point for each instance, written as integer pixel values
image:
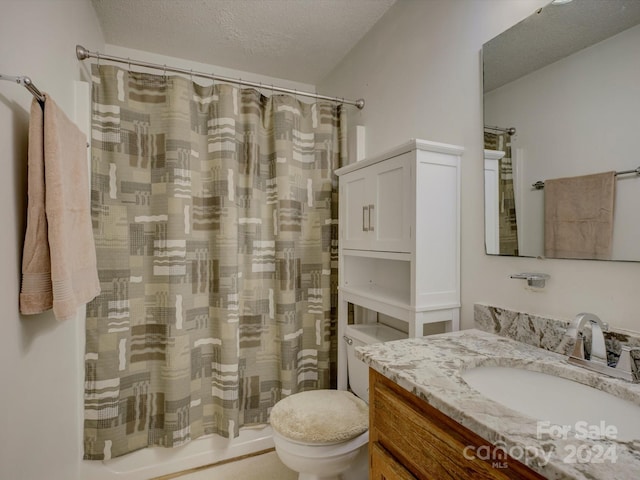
(558, 401)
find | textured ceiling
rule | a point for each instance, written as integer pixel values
(300, 40)
(552, 33)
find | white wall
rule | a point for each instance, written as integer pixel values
(40, 403)
(595, 99)
(419, 71)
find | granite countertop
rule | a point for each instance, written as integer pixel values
(431, 368)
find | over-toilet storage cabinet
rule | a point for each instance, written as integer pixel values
(399, 237)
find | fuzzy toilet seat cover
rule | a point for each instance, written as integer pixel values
(320, 416)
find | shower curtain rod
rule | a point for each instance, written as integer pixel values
(26, 83)
(82, 54)
(509, 130)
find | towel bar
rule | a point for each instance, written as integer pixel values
(539, 185)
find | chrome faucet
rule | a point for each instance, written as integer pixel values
(624, 369)
(598, 327)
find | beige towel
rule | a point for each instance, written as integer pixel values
(578, 216)
(59, 258)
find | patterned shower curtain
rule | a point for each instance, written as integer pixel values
(508, 221)
(215, 222)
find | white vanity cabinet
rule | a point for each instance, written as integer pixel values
(399, 240)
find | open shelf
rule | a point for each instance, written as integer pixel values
(384, 279)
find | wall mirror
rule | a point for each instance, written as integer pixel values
(562, 101)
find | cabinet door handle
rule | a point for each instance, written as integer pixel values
(365, 211)
(370, 223)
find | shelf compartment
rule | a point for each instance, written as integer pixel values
(387, 279)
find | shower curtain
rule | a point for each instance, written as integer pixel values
(215, 220)
(508, 221)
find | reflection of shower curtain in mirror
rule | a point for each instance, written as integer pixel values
(507, 214)
(215, 219)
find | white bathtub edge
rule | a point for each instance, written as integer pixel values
(154, 462)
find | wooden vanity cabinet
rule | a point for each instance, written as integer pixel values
(410, 439)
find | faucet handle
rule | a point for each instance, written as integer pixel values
(626, 363)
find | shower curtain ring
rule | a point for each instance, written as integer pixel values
(98, 57)
(129, 63)
(191, 74)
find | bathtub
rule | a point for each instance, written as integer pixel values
(156, 461)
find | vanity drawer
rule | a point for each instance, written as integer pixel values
(426, 442)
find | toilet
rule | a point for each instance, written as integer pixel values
(324, 434)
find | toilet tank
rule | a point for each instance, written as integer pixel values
(360, 335)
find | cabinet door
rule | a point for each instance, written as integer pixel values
(390, 210)
(355, 198)
(385, 467)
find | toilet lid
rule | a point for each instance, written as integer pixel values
(320, 416)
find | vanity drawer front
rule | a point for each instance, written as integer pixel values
(428, 443)
(385, 467)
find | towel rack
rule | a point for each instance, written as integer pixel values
(539, 185)
(26, 83)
